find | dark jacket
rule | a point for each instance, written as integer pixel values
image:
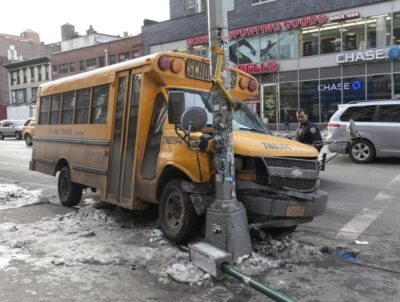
(308, 133)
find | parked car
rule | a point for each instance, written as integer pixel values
(11, 128)
(378, 123)
(27, 130)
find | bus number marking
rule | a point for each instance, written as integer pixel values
(172, 140)
(275, 146)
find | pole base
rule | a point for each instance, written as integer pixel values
(228, 229)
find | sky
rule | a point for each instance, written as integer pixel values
(111, 17)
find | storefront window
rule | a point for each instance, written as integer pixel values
(330, 38)
(269, 49)
(331, 96)
(379, 87)
(309, 41)
(288, 44)
(354, 89)
(200, 50)
(289, 99)
(396, 82)
(245, 51)
(396, 28)
(309, 99)
(378, 31)
(354, 34)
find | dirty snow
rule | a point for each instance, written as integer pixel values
(117, 237)
(13, 196)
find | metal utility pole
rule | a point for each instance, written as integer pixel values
(226, 222)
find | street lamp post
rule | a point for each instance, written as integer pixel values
(226, 221)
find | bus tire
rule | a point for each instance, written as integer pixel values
(70, 193)
(178, 218)
(28, 140)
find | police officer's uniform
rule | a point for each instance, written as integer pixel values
(308, 133)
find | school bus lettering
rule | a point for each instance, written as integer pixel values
(275, 146)
(198, 70)
(172, 140)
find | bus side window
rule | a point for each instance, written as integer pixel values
(55, 109)
(67, 112)
(44, 110)
(82, 106)
(149, 163)
(98, 114)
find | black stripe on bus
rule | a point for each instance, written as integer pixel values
(43, 160)
(72, 141)
(89, 169)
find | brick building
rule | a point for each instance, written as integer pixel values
(82, 59)
(311, 54)
(18, 48)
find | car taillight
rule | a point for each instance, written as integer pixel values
(333, 125)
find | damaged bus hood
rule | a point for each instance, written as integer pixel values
(261, 145)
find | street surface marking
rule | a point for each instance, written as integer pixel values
(363, 220)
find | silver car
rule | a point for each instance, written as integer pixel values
(378, 123)
(11, 128)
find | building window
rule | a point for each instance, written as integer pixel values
(47, 71)
(378, 31)
(230, 5)
(112, 59)
(353, 34)
(331, 96)
(18, 77)
(55, 69)
(379, 87)
(193, 6)
(289, 99)
(309, 99)
(330, 38)
(63, 68)
(39, 68)
(136, 54)
(32, 74)
(11, 78)
(82, 65)
(18, 96)
(269, 49)
(309, 41)
(101, 62)
(245, 51)
(71, 67)
(123, 57)
(91, 64)
(396, 28)
(25, 73)
(289, 44)
(33, 94)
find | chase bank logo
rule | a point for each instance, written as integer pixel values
(394, 52)
(356, 85)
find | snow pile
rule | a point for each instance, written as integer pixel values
(187, 273)
(12, 196)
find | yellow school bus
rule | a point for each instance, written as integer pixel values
(107, 130)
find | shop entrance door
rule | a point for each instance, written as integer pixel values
(270, 104)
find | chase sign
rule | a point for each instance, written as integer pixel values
(387, 53)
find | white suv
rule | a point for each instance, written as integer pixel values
(378, 123)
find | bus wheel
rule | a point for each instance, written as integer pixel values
(178, 218)
(28, 140)
(70, 193)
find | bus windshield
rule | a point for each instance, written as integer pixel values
(243, 119)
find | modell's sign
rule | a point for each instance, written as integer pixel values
(265, 28)
(260, 67)
(388, 53)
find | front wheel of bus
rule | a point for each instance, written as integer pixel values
(70, 193)
(178, 219)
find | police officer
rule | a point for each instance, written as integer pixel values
(307, 132)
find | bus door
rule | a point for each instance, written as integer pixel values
(121, 175)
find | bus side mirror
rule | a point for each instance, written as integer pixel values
(194, 119)
(176, 106)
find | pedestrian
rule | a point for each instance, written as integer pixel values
(307, 132)
(286, 120)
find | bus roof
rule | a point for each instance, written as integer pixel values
(107, 74)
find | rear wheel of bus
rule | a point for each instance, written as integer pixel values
(178, 218)
(70, 193)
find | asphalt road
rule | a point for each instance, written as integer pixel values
(363, 206)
